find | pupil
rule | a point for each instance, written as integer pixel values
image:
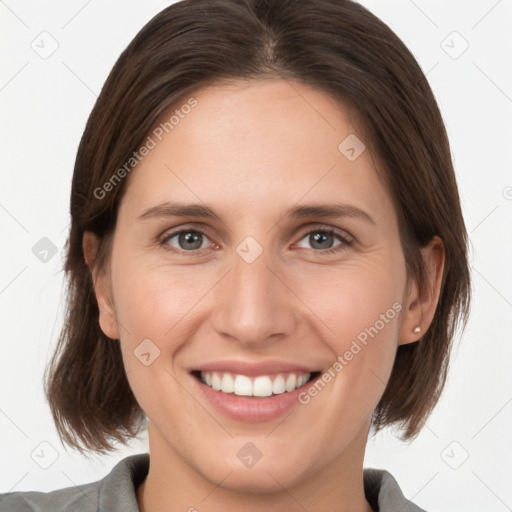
(190, 238)
(318, 238)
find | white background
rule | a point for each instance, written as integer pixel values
(44, 106)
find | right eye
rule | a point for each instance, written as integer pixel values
(188, 240)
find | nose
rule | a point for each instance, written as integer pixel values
(253, 304)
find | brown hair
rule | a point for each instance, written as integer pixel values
(336, 46)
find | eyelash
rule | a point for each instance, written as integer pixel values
(347, 242)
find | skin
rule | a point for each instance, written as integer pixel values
(252, 151)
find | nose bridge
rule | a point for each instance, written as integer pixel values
(254, 303)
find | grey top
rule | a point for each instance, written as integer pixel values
(116, 492)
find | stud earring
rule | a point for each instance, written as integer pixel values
(416, 330)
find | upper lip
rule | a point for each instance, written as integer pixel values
(251, 369)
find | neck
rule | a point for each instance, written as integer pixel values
(174, 485)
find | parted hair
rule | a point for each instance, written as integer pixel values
(337, 46)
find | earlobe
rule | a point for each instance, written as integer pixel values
(421, 304)
(102, 288)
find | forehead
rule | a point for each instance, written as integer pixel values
(248, 144)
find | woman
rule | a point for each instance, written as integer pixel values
(267, 259)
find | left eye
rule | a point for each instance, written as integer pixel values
(323, 239)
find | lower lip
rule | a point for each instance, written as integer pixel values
(251, 409)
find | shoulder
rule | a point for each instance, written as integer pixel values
(83, 498)
(116, 491)
(384, 494)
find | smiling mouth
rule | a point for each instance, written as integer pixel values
(259, 387)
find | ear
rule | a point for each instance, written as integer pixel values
(420, 305)
(102, 286)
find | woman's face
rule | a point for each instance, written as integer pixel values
(265, 290)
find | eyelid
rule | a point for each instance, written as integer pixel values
(342, 233)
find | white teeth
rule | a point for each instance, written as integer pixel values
(216, 382)
(291, 382)
(260, 386)
(227, 383)
(278, 386)
(242, 386)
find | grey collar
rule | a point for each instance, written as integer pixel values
(117, 490)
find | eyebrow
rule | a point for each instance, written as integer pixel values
(335, 210)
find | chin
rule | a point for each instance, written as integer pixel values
(258, 481)
(267, 475)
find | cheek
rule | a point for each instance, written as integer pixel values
(158, 308)
(158, 313)
(351, 300)
(152, 301)
(357, 313)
